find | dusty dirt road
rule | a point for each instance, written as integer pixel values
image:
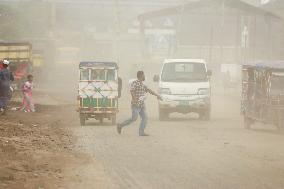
(181, 153)
(34, 149)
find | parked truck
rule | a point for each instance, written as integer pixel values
(185, 87)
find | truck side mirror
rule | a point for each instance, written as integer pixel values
(156, 78)
(209, 73)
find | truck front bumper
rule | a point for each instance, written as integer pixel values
(185, 103)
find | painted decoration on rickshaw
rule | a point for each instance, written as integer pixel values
(98, 87)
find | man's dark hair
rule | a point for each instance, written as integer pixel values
(140, 73)
(30, 76)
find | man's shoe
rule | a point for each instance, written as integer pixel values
(118, 128)
(144, 134)
(3, 111)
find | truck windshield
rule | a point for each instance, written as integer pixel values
(277, 86)
(184, 72)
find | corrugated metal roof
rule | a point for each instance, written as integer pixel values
(236, 4)
(275, 7)
(108, 2)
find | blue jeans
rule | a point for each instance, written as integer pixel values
(4, 102)
(135, 111)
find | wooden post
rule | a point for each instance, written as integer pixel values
(142, 34)
(254, 38)
(222, 31)
(211, 44)
(53, 16)
(117, 32)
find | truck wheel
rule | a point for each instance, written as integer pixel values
(280, 124)
(247, 122)
(101, 120)
(113, 120)
(205, 115)
(163, 115)
(82, 120)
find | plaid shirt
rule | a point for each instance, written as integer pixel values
(139, 90)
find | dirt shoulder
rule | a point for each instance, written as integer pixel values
(34, 149)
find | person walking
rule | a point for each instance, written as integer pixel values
(28, 104)
(6, 77)
(138, 92)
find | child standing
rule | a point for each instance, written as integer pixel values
(28, 105)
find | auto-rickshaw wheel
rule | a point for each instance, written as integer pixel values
(206, 115)
(248, 122)
(163, 115)
(113, 120)
(82, 120)
(280, 117)
(101, 120)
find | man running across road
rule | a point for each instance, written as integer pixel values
(138, 92)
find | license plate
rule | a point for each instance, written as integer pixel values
(183, 103)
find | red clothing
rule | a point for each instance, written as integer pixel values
(1, 66)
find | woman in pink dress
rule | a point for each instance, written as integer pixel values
(28, 105)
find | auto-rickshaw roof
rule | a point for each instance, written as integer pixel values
(98, 64)
(269, 65)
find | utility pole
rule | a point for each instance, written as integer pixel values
(179, 28)
(222, 32)
(52, 18)
(117, 31)
(51, 35)
(269, 39)
(211, 44)
(142, 29)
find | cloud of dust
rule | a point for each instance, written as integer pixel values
(139, 35)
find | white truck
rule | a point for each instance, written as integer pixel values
(184, 85)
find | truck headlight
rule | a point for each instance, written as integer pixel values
(165, 91)
(203, 91)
